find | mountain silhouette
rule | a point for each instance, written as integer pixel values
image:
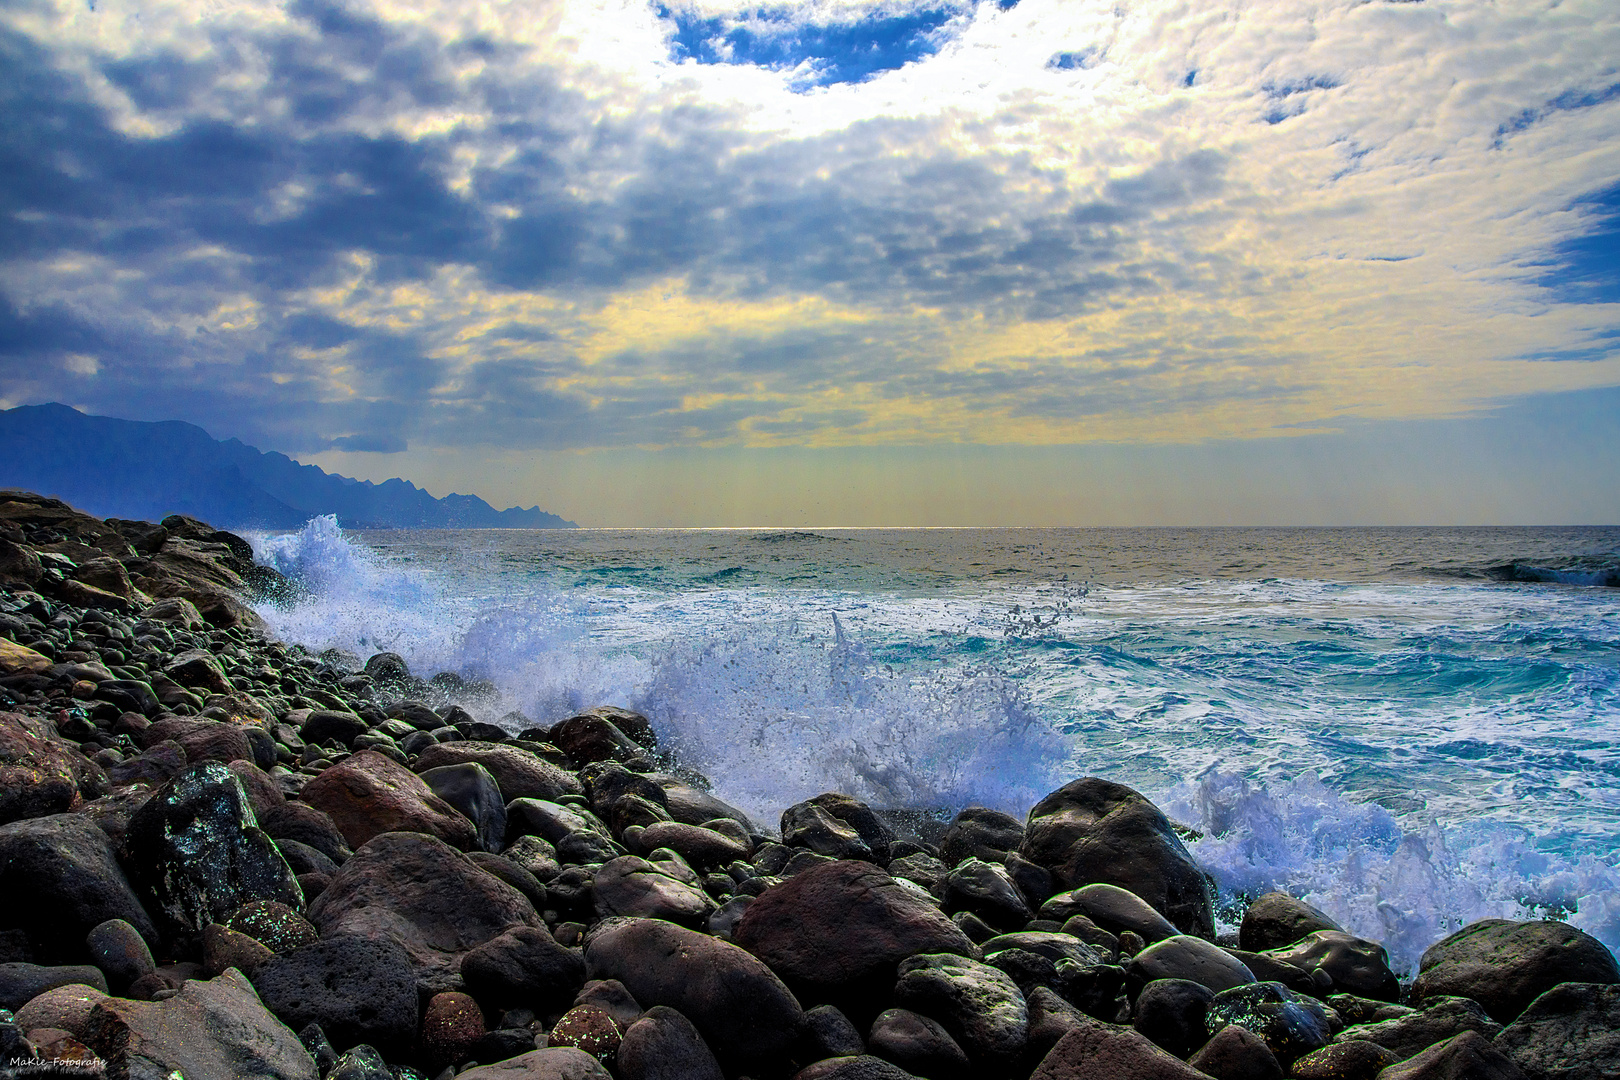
(147, 471)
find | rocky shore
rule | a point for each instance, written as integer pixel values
(222, 857)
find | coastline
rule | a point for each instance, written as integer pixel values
(562, 855)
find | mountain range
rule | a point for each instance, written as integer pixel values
(146, 471)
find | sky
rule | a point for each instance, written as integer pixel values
(907, 262)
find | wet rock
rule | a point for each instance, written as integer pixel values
(837, 932)
(631, 811)
(609, 782)
(1173, 1013)
(357, 990)
(1358, 1010)
(40, 774)
(1356, 965)
(119, 950)
(1572, 1032)
(549, 821)
(1291, 1024)
(217, 1027)
(1468, 1056)
(1110, 908)
(918, 1045)
(59, 879)
(986, 890)
(691, 806)
(160, 763)
(592, 737)
(307, 825)
(664, 1045)
(1093, 830)
(368, 794)
(1186, 957)
(471, 789)
(744, 1012)
(1351, 1060)
(1276, 920)
(332, 725)
(195, 854)
(20, 983)
(1097, 1050)
(703, 848)
(276, 926)
(920, 867)
(1506, 965)
(523, 966)
(518, 773)
(451, 1026)
(360, 1063)
(1236, 1053)
(807, 825)
(1265, 967)
(980, 833)
(1439, 1020)
(980, 1006)
(423, 894)
(634, 887)
(552, 1063)
(589, 1029)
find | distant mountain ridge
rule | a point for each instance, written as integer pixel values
(146, 471)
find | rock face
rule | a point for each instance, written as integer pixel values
(839, 930)
(194, 853)
(357, 990)
(1093, 830)
(217, 1027)
(40, 774)
(520, 774)
(742, 1009)
(60, 879)
(1572, 1032)
(1506, 965)
(981, 1007)
(368, 794)
(422, 894)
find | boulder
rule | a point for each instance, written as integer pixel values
(198, 668)
(276, 926)
(452, 1024)
(1506, 965)
(552, 1063)
(837, 932)
(1468, 1056)
(634, 887)
(549, 821)
(357, 990)
(513, 874)
(119, 950)
(1276, 919)
(1356, 966)
(1173, 1014)
(523, 966)
(1572, 1032)
(368, 794)
(608, 782)
(1093, 830)
(742, 1009)
(863, 1067)
(224, 948)
(705, 849)
(1050, 1018)
(664, 1045)
(1110, 908)
(1236, 1053)
(307, 825)
(1441, 1019)
(1095, 1050)
(807, 825)
(519, 774)
(305, 860)
(918, 1045)
(1291, 1024)
(67, 1008)
(588, 1028)
(424, 895)
(18, 659)
(211, 1028)
(590, 737)
(21, 983)
(471, 789)
(60, 880)
(691, 806)
(980, 833)
(1353, 1059)
(922, 868)
(985, 889)
(195, 854)
(981, 1007)
(39, 773)
(332, 725)
(175, 611)
(1186, 957)
(829, 1033)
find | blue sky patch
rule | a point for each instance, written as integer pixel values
(1586, 269)
(772, 37)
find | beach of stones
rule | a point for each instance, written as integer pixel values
(222, 857)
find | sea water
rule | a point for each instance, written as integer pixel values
(1410, 728)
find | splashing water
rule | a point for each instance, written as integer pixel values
(1266, 713)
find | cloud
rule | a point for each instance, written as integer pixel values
(598, 223)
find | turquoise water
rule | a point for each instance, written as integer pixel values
(1412, 727)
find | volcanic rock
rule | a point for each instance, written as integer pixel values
(663, 1045)
(1236, 1053)
(981, 1007)
(980, 833)
(1506, 965)
(358, 990)
(523, 965)
(471, 789)
(1572, 1032)
(368, 794)
(1468, 1056)
(60, 880)
(39, 773)
(1097, 1050)
(519, 774)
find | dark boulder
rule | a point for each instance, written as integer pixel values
(809, 826)
(332, 725)
(1173, 1014)
(20, 983)
(634, 887)
(357, 989)
(590, 737)
(1276, 919)
(452, 1025)
(744, 1012)
(837, 932)
(1186, 957)
(119, 950)
(1468, 1056)
(1572, 1032)
(1096, 1050)
(1356, 965)
(1291, 1024)
(1110, 908)
(304, 859)
(195, 854)
(1506, 965)
(1440, 1019)
(307, 825)
(39, 773)
(980, 1006)
(552, 1063)
(368, 794)
(704, 849)
(519, 774)
(523, 966)
(663, 1045)
(513, 874)
(589, 1029)
(278, 927)
(422, 893)
(471, 789)
(980, 833)
(59, 880)
(829, 1033)
(863, 1067)
(1354, 1059)
(918, 1045)
(1236, 1053)
(985, 889)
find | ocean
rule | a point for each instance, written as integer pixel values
(1412, 728)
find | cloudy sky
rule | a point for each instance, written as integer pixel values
(839, 262)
